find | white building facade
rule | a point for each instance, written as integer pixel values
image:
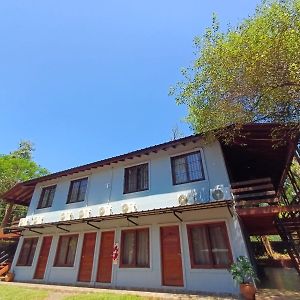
(156, 218)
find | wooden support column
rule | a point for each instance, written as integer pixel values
(8, 210)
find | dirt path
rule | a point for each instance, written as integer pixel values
(275, 294)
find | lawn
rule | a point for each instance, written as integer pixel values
(98, 296)
(18, 293)
(8, 292)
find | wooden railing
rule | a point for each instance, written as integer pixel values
(254, 193)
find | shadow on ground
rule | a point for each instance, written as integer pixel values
(278, 283)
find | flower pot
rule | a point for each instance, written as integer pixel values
(9, 277)
(247, 290)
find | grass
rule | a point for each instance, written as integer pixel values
(8, 292)
(17, 293)
(101, 296)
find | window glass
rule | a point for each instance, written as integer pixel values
(62, 251)
(136, 178)
(142, 248)
(220, 250)
(209, 246)
(135, 248)
(77, 190)
(200, 246)
(27, 252)
(180, 170)
(129, 248)
(82, 190)
(71, 250)
(47, 196)
(187, 168)
(66, 251)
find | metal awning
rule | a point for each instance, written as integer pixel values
(131, 217)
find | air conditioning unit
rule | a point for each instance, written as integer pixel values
(182, 199)
(219, 192)
(69, 216)
(62, 216)
(128, 207)
(105, 210)
(22, 222)
(81, 214)
(84, 213)
(38, 220)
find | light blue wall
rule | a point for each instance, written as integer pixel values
(205, 280)
(105, 184)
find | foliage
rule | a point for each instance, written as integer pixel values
(288, 186)
(251, 73)
(242, 270)
(15, 167)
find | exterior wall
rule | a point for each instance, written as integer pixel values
(105, 184)
(206, 280)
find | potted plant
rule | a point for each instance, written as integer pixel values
(243, 272)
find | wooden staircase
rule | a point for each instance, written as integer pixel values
(289, 230)
(256, 201)
(4, 264)
(288, 223)
(254, 193)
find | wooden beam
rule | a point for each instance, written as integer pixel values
(268, 210)
(248, 182)
(254, 188)
(256, 202)
(253, 195)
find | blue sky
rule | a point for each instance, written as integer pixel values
(86, 80)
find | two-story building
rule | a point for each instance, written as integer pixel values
(156, 218)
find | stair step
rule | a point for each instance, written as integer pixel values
(288, 231)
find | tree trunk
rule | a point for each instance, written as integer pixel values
(8, 211)
(267, 245)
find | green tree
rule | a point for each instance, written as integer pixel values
(16, 167)
(290, 188)
(250, 73)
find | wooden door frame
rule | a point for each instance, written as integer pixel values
(179, 225)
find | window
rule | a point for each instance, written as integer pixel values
(209, 246)
(135, 248)
(136, 179)
(77, 190)
(27, 252)
(47, 196)
(187, 168)
(66, 250)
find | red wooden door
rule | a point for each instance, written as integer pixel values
(171, 256)
(87, 257)
(105, 256)
(43, 258)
